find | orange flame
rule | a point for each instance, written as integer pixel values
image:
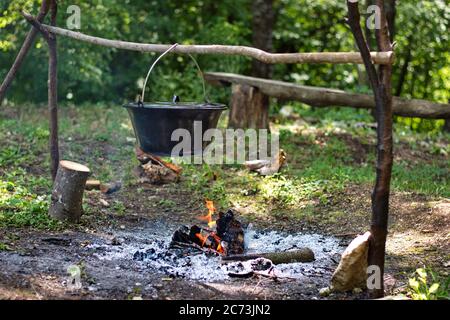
(204, 239)
(208, 217)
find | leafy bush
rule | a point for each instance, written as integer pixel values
(427, 285)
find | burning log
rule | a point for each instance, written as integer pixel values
(227, 239)
(231, 233)
(197, 238)
(300, 255)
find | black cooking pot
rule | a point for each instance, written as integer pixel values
(155, 122)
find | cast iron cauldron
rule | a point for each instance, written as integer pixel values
(154, 122)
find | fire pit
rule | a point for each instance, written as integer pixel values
(205, 253)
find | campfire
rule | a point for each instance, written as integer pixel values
(226, 239)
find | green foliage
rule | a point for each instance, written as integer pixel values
(428, 285)
(93, 73)
(21, 208)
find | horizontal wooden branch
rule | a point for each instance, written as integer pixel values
(270, 58)
(325, 97)
(298, 255)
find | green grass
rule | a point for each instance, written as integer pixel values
(21, 208)
(321, 164)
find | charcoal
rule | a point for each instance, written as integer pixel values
(182, 235)
(139, 256)
(231, 232)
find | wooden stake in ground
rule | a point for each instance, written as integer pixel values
(381, 83)
(52, 85)
(29, 40)
(68, 189)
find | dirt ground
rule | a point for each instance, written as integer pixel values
(34, 263)
(36, 269)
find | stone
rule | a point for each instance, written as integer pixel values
(325, 292)
(351, 272)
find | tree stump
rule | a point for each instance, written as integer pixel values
(68, 188)
(249, 108)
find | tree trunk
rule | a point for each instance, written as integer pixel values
(68, 188)
(29, 40)
(262, 30)
(381, 83)
(248, 108)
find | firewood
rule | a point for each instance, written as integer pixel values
(68, 188)
(300, 255)
(231, 233)
(93, 185)
(156, 174)
(145, 158)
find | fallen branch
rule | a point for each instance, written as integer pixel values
(300, 255)
(271, 58)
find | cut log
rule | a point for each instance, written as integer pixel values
(299, 255)
(93, 185)
(249, 108)
(231, 233)
(68, 189)
(326, 97)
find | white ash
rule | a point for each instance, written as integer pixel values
(149, 248)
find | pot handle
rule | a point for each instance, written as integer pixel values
(156, 61)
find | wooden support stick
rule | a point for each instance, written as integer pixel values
(52, 85)
(381, 82)
(260, 55)
(29, 40)
(299, 255)
(67, 196)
